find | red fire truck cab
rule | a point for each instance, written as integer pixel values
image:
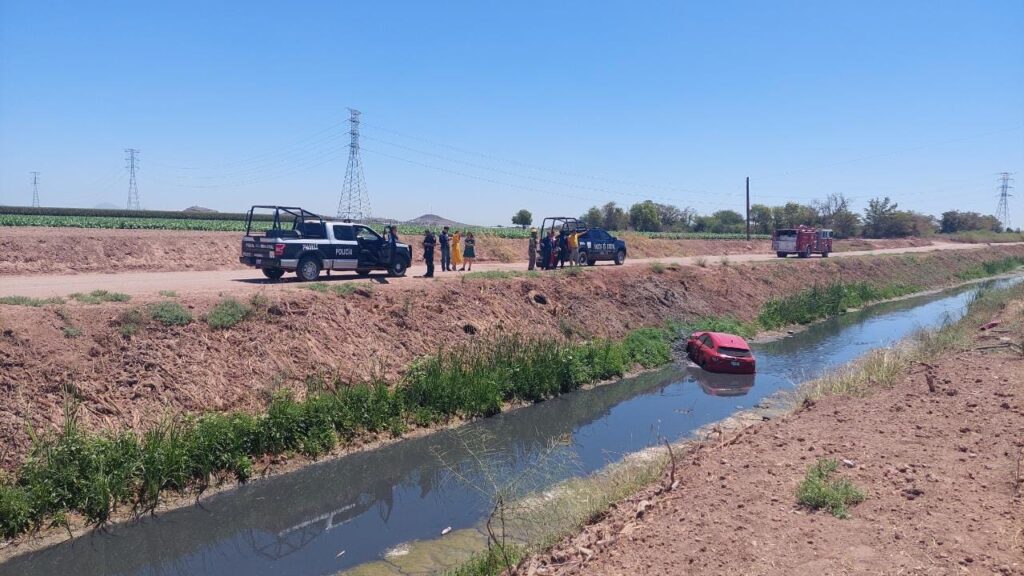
(802, 241)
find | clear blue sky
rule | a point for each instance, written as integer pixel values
(475, 109)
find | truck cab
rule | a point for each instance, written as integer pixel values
(802, 241)
(281, 239)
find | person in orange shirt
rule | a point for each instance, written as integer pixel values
(457, 249)
(574, 249)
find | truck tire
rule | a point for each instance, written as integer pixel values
(782, 254)
(583, 259)
(620, 257)
(806, 253)
(273, 273)
(363, 271)
(308, 269)
(824, 254)
(397, 268)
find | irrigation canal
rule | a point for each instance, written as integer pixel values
(338, 514)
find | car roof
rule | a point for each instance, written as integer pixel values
(728, 340)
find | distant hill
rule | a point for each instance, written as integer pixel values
(435, 220)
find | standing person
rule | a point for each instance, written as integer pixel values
(563, 248)
(531, 251)
(392, 243)
(545, 250)
(428, 252)
(446, 250)
(456, 250)
(469, 253)
(574, 248)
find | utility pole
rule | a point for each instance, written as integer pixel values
(748, 208)
(355, 200)
(35, 189)
(1003, 209)
(132, 163)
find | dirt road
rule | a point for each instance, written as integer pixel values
(240, 281)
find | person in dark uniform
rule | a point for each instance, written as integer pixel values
(392, 243)
(531, 251)
(446, 250)
(563, 248)
(428, 252)
(545, 250)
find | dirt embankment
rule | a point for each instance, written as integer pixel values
(940, 468)
(25, 251)
(132, 381)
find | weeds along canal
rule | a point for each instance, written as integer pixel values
(340, 513)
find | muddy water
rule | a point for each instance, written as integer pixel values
(336, 515)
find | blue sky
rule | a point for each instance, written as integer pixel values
(473, 110)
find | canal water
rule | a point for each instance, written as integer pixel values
(337, 514)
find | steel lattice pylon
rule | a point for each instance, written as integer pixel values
(355, 200)
(132, 163)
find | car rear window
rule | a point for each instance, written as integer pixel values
(735, 352)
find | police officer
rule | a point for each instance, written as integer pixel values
(446, 250)
(546, 246)
(532, 250)
(392, 243)
(428, 252)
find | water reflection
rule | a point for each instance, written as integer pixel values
(714, 384)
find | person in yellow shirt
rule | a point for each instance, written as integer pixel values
(456, 249)
(574, 249)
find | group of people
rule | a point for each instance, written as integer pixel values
(555, 251)
(457, 249)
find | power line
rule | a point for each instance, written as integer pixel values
(1003, 209)
(132, 162)
(35, 189)
(354, 203)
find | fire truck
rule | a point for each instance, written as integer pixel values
(802, 241)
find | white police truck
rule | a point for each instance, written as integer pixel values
(281, 239)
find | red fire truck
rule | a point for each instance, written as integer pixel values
(802, 241)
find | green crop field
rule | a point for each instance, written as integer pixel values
(207, 221)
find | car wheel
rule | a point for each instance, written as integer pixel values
(782, 254)
(273, 273)
(583, 259)
(620, 257)
(308, 269)
(363, 271)
(397, 268)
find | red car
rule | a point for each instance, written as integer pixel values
(718, 352)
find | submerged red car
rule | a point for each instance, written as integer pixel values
(719, 352)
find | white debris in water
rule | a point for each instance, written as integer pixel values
(446, 530)
(400, 550)
(339, 554)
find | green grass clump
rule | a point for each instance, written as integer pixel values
(817, 491)
(338, 289)
(100, 296)
(27, 301)
(701, 261)
(726, 324)
(491, 562)
(168, 293)
(826, 301)
(648, 347)
(228, 313)
(71, 331)
(170, 314)
(500, 274)
(657, 267)
(130, 321)
(986, 269)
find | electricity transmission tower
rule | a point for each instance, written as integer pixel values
(35, 189)
(132, 163)
(1003, 210)
(355, 200)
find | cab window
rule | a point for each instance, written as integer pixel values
(343, 233)
(364, 233)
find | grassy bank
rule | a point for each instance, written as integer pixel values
(826, 301)
(74, 471)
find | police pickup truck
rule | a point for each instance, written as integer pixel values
(289, 239)
(595, 243)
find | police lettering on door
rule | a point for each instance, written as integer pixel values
(348, 251)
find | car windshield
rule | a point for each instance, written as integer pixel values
(734, 352)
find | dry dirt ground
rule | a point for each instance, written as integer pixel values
(29, 250)
(132, 381)
(941, 470)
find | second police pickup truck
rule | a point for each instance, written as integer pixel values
(290, 239)
(595, 243)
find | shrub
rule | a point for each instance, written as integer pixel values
(170, 314)
(227, 313)
(657, 267)
(701, 261)
(648, 347)
(100, 296)
(817, 491)
(27, 301)
(168, 293)
(71, 332)
(825, 302)
(130, 321)
(15, 511)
